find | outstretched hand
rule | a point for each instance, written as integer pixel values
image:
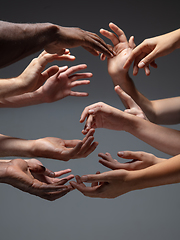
(123, 49)
(70, 37)
(60, 84)
(139, 160)
(32, 177)
(57, 148)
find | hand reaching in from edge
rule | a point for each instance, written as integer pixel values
(140, 160)
(32, 177)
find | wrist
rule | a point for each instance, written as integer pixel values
(119, 77)
(3, 171)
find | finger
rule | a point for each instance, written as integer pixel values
(96, 43)
(62, 172)
(76, 68)
(79, 83)
(90, 149)
(107, 164)
(78, 76)
(103, 177)
(147, 70)
(128, 100)
(67, 57)
(114, 39)
(134, 54)
(131, 154)
(153, 64)
(119, 32)
(90, 123)
(94, 184)
(89, 134)
(136, 62)
(131, 42)
(91, 50)
(78, 94)
(147, 60)
(68, 154)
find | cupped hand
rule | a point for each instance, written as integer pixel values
(32, 177)
(57, 148)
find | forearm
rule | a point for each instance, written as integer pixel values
(27, 99)
(10, 146)
(164, 139)
(166, 172)
(20, 40)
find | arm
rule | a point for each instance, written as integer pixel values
(49, 147)
(32, 177)
(152, 48)
(165, 111)
(58, 85)
(20, 40)
(117, 182)
(101, 115)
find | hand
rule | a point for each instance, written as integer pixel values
(101, 115)
(104, 185)
(150, 49)
(132, 107)
(67, 37)
(140, 160)
(122, 49)
(33, 76)
(56, 148)
(32, 177)
(59, 85)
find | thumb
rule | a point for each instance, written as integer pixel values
(129, 102)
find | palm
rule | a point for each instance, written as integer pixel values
(122, 48)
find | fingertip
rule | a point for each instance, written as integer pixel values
(141, 65)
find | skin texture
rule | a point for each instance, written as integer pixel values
(32, 177)
(20, 40)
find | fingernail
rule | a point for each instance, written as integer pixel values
(141, 64)
(91, 111)
(84, 178)
(121, 154)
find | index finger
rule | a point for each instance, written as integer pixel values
(135, 52)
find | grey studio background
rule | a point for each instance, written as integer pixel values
(146, 214)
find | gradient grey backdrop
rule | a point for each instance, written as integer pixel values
(146, 214)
